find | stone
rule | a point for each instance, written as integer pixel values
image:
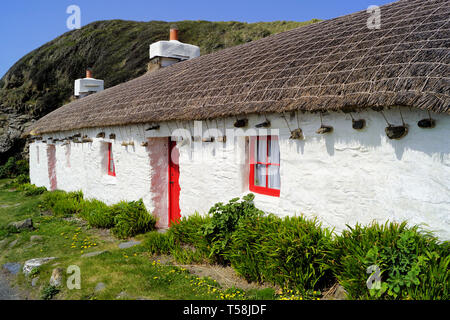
(26, 224)
(100, 286)
(34, 281)
(57, 277)
(35, 263)
(122, 295)
(3, 243)
(36, 238)
(128, 244)
(340, 293)
(92, 254)
(12, 267)
(13, 243)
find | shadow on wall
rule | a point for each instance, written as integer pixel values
(434, 142)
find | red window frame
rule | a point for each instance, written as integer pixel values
(111, 171)
(255, 188)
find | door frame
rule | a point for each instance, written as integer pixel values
(172, 217)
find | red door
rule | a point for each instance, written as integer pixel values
(174, 186)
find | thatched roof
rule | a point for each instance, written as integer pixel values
(338, 64)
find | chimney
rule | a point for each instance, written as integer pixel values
(89, 73)
(173, 34)
(166, 53)
(88, 85)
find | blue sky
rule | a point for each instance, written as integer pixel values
(26, 25)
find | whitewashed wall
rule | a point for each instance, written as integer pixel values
(341, 178)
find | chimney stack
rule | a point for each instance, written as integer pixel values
(166, 53)
(89, 73)
(88, 85)
(173, 33)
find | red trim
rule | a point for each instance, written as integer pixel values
(110, 159)
(260, 189)
(174, 185)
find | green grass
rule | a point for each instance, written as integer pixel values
(135, 270)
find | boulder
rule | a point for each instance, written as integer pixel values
(26, 224)
(57, 277)
(36, 238)
(35, 263)
(12, 267)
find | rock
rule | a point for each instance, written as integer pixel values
(12, 267)
(36, 238)
(3, 243)
(129, 244)
(100, 286)
(92, 254)
(26, 224)
(47, 213)
(34, 281)
(57, 277)
(340, 293)
(35, 263)
(13, 243)
(122, 295)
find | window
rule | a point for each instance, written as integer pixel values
(265, 165)
(111, 168)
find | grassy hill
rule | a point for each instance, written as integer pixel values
(117, 51)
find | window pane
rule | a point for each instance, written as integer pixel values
(260, 175)
(262, 150)
(274, 177)
(274, 150)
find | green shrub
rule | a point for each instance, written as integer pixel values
(97, 214)
(48, 292)
(13, 168)
(21, 179)
(188, 230)
(31, 189)
(224, 220)
(245, 254)
(131, 218)
(413, 264)
(188, 255)
(290, 252)
(159, 243)
(63, 203)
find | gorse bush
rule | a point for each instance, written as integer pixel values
(224, 219)
(131, 218)
(412, 264)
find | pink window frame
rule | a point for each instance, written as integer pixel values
(259, 189)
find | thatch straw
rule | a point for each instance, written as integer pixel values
(338, 64)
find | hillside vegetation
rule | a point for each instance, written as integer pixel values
(117, 51)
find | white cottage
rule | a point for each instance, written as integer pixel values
(334, 120)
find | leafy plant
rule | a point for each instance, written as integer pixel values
(97, 214)
(48, 292)
(224, 220)
(131, 218)
(408, 261)
(159, 243)
(31, 189)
